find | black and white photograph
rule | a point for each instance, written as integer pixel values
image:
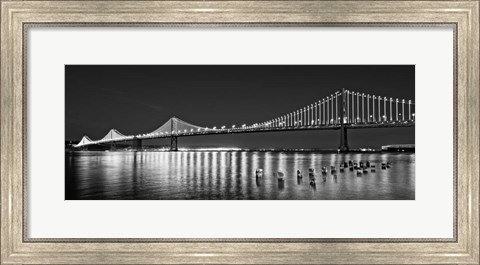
(240, 132)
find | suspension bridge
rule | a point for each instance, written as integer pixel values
(341, 111)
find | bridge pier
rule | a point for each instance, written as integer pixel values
(343, 140)
(137, 144)
(173, 143)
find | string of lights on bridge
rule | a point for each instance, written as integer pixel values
(326, 112)
(359, 109)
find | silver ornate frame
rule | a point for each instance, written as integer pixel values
(17, 16)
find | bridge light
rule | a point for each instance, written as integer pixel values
(223, 127)
(233, 126)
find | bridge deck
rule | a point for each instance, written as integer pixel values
(239, 130)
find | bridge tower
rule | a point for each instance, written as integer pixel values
(113, 145)
(343, 129)
(173, 137)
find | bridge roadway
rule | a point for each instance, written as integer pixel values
(211, 131)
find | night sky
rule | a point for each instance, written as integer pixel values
(138, 99)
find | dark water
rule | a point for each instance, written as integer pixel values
(216, 175)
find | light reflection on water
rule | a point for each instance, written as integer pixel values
(223, 175)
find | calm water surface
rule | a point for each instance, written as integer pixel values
(216, 175)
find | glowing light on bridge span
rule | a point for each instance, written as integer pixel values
(355, 108)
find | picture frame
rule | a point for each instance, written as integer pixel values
(16, 16)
